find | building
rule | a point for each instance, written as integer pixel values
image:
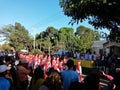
(98, 46)
(112, 47)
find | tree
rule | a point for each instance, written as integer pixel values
(17, 36)
(99, 13)
(48, 38)
(86, 36)
(66, 37)
(6, 47)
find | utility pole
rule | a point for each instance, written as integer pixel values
(34, 29)
(49, 46)
(40, 40)
(34, 41)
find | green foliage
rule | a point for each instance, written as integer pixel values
(51, 39)
(6, 47)
(17, 36)
(36, 51)
(99, 13)
(86, 36)
(65, 38)
(47, 38)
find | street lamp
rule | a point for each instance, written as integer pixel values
(49, 48)
(34, 42)
(34, 29)
(40, 40)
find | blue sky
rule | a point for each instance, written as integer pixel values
(35, 15)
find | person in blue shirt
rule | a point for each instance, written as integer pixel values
(4, 82)
(69, 76)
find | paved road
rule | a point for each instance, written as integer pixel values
(104, 84)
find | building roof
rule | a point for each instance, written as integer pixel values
(109, 44)
(99, 43)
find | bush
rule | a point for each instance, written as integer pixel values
(36, 51)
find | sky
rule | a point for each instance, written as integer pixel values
(35, 15)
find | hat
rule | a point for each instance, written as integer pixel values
(3, 68)
(23, 61)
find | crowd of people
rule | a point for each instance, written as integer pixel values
(48, 72)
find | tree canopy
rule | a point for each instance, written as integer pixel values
(86, 37)
(51, 39)
(17, 36)
(66, 38)
(99, 13)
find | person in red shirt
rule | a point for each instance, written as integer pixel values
(23, 73)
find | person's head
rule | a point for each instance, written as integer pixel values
(4, 69)
(78, 65)
(8, 60)
(23, 63)
(53, 81)
(12, 62)
(70, 63)
(38, 73)
(50, 70)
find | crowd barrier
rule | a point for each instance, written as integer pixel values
(86, 63)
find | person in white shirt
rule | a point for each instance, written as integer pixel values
(94, 56)
(86, 56)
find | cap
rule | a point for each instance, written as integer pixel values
(3, 68)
